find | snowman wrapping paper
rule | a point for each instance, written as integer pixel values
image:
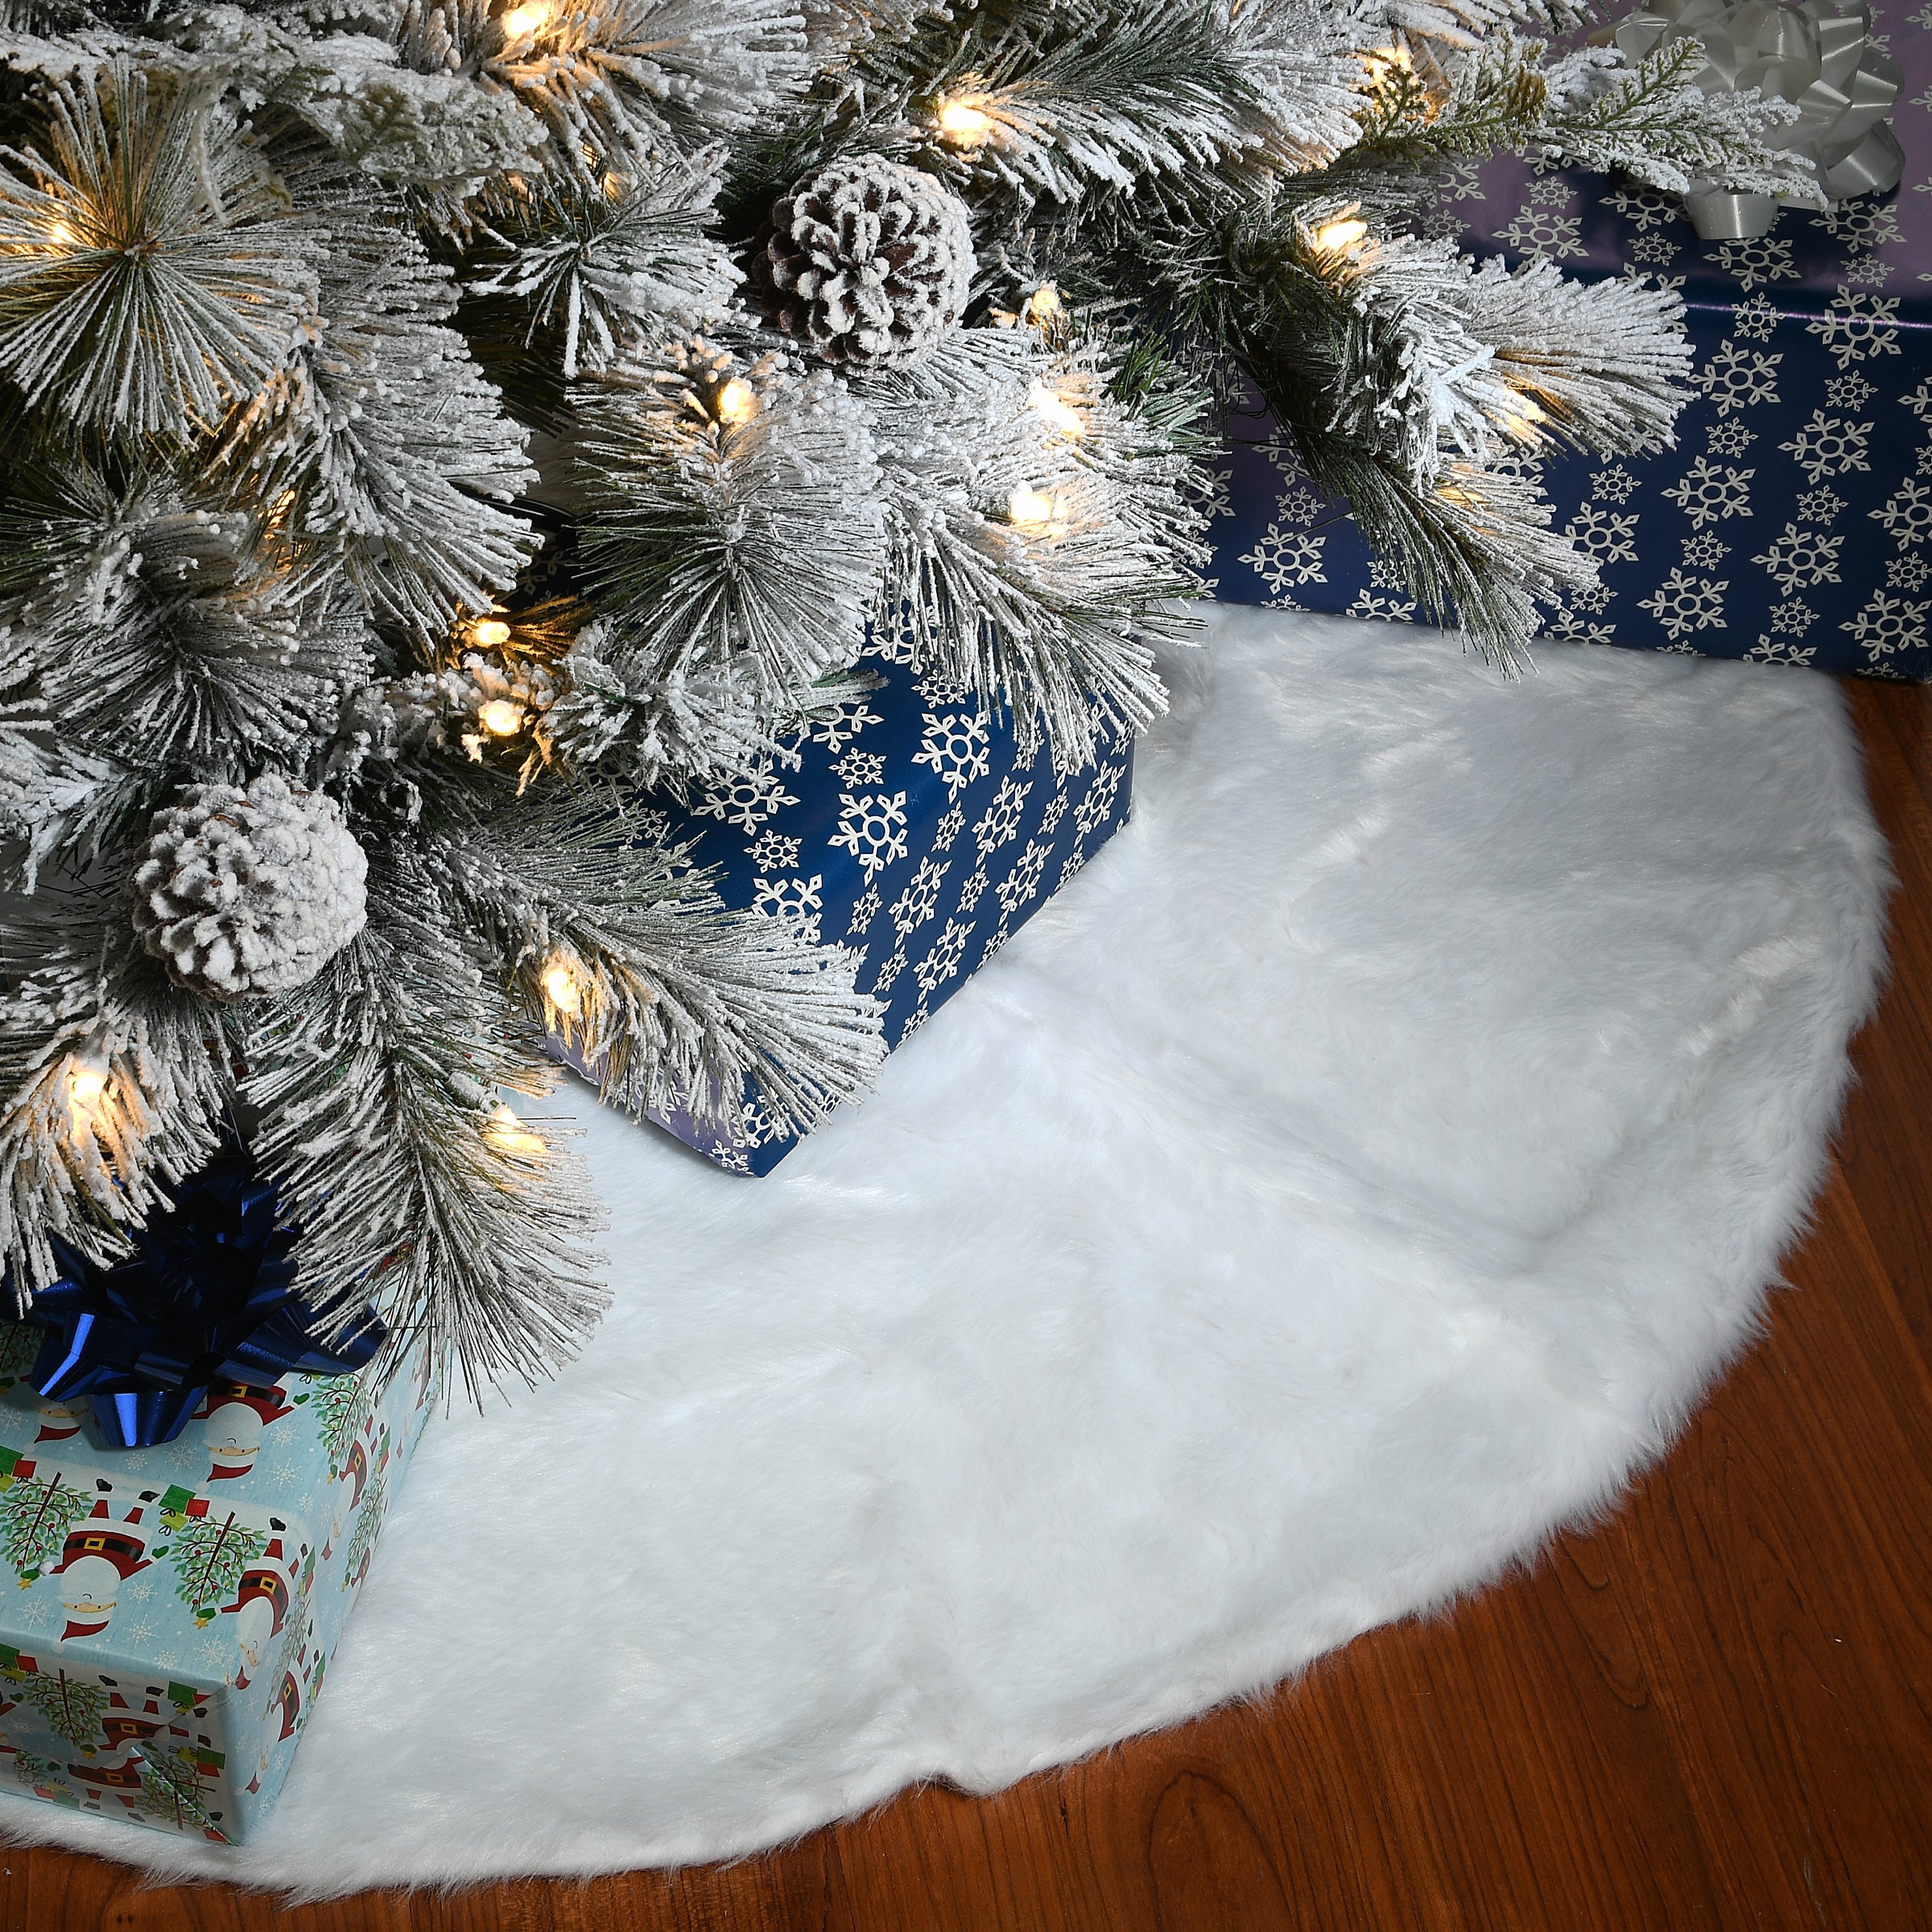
(177, 1606)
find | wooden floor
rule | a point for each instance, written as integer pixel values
(1715, 1712)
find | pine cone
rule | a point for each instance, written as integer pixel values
(248, 889)
(868, 261)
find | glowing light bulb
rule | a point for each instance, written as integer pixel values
(1337, 235)
(738, 402)
(964, 125)
(561, 988)
(500, 718)
(490, 632)
(1028, 508)
(529, 18)
(505, 1130)
(85, 1085)
(1520, 422)
(1057, 410)
(60, 235)
(1044, 306)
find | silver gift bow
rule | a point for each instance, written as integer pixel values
(1820, 58)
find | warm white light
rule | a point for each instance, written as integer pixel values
(60, 234)
(504, 1131)
(490, 632)
(963, 124)
(1044, 305)
(560, 985)
(1029, 507)
(1057, 410)
(738, 400)
(1521, 422)
(1340, 235)
(500, 718)
(84, 1087)
(528, 19)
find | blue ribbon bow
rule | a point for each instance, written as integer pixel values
(208, 1293)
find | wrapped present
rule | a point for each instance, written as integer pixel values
(179, 1601)
(909, 826)
(1792, 520)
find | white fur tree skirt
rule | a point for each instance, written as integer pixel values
(1356, 1173)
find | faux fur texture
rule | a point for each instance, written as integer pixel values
(1357, 1173)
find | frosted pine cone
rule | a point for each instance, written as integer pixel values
(868, 261)
(250, 889)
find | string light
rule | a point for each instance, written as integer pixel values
(529, 18)
(500, 718)
(561, 988)
(1044, 306)
(1057, 410)
(1334, 236)
(1521, 422)
(490, 633)
(85, 1085)
(504, 1131)
(60, 235)
(1030, 508)
(738, 402)
(963, 124)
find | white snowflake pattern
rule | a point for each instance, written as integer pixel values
(1593, 596)
(1869, 271)
(1907, 513)
(920, 900)
(1076, 860)
(1543, 231)
(1821, 506)
(1650, 277)
(1001, 820)
(943, 962)
(1924, 463)
(1754, 319)
(1093, 809)
(1888, 625)
(1780, 650)
(1056, 810)
(860, 768)
(973, 890)
(1615, 485)
(1462, 180)
(1849, 391)
(953, 822)
(1737, 378)
(1385, 574)
(1794, 615)
(914, 1020)
(1653, 248)
(1919, 400)
(837, 728)
(1283, 557)
(1908, 572)
(940, 692)
(798, 903)
(956, 748)
(1855, 325)
(1828, 446)
(1860, 222)
(1643, 208)
(1730, 439)
(1801, 558)
(1706, 493)
(1704, 552)
(746, 801)
(1571, 629)
(1022, 883)
(772, 852)
(893, 966)
(734, 1160)
(1681, 604)
(1553, 191)
(1604, 533)
(864, 910)
(760, 1126)
(1372, 603)
(1301, 505)
(872, 828)
(895, 641)
(1753, 262)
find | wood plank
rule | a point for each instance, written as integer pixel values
(1714, 1710)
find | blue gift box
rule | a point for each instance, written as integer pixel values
(1792, 521)
(908, 826)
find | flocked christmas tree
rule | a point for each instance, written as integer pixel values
(428, 421)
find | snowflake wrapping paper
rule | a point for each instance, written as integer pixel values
(178, 1606)
(907, 826)
(1792, 521)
